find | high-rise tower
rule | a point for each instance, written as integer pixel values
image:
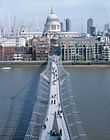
(68, 25)
(92, 30)
(62, 27)
(107, 27)
(89, 24)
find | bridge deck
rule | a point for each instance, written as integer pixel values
(54, 108)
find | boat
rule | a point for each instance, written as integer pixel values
(6, 68)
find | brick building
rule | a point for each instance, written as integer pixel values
(15, 53)
(41, 48)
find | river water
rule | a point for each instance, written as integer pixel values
(18, 91)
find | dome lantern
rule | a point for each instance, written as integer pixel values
(52, 10)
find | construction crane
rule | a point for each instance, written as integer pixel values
(13, 26)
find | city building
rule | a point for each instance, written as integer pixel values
(68, 25)
(89, 24)
(41, 48)
(11, 48)
(12, 42)
(107, 27)
(73, 46)
(106, 52)
(80, 49)
(62, 26)
(15, 53)
(93, 31)
(28, 35)
(52, 28)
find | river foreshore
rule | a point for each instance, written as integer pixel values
(65, 63)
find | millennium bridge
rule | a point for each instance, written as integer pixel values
(55, 116)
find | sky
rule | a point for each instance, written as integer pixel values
(34, 12)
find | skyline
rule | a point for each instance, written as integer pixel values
(34, 13)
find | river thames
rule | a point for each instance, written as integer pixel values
(18, 92)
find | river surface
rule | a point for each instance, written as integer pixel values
(18, 91)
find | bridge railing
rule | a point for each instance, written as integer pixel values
(68, 104)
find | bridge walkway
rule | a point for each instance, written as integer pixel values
(54, 108)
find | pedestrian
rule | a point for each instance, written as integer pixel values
(60, 131)
(51, 101)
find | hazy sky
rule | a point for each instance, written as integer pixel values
(34, 12)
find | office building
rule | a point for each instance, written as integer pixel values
(93, 31)
(62, 26)
(89, 24)
(68, 25)
(107, 27)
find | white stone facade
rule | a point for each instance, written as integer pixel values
(12, 42)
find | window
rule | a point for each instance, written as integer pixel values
(76, 50)
(53, 27)
(80, 51)
(58, 27)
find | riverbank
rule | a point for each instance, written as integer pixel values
(86, 64)
(65, 63)
(22, 62)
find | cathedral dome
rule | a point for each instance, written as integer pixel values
(52, 22)
(52, 17)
